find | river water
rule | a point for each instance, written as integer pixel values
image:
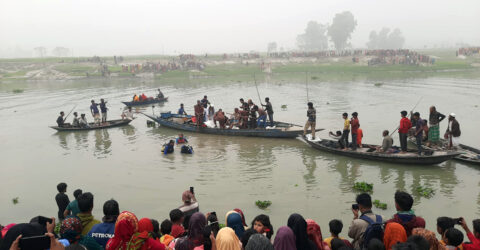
(125, 163)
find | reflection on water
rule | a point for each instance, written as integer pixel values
(229, 171)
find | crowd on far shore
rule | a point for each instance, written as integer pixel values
(186, 228)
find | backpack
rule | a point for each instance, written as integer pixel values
(374, 230)
(186, 149)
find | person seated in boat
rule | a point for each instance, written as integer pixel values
(143, 97)
(335, 136)
(235, 119)
(75, 122)
(181, 139)
(262, 118)
(160, 94)
(127, 114)
(244, 105)
(243, 119)
(181, 110)
(220, 118)
(82, 121)
(210, 113)
(61, 120)
(386, 144)
(136, 98)
(169, 148)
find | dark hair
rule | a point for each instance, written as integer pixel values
(404, 200)
(156, 228)
(110, 210)
(339, 133)
(62, 187)
(375, 244)
(77, 193)
(207, 244)
(265, 220)
(419, 241)
(166, 227)
(385, 132)
(445, 223)
(416, 114)
(310, 104)
(404, 113)
(85, 202)
(476, 225)
(345, 114)
(267, 99)
(337, 243)
(336, 227)
(171, 141)
(212, 221)
(454, 237)
(355, 114)
(176, 215)
(364, 200)
(241, 99)
(405, 246)
(246, 235)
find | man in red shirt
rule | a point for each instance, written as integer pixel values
(354, 124)
(199, 113)
(405, 125)
(473, 237)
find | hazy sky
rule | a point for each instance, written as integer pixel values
(108, 27)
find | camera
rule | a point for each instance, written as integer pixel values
(355, 207)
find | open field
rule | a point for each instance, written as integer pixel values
(236, 69)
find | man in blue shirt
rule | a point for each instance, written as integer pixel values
(181, 110)
(169, 147)
(104, 231)
(95, 112)
(103, 108)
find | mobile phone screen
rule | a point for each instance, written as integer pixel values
(35, 242)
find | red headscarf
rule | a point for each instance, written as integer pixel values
(315, 234)
(145, 225)
(241, 214)
(125, 227)
(394, 233)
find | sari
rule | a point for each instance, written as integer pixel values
(125, 227)
(234, 221)
(315, 234)
(394, 233)
(227, 240)
(299, 227)
(195, 237)
(430, 237)
(243, 217)
(285, 239)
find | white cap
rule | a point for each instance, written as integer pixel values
(452, 114)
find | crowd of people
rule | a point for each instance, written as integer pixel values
(468, 51)
(425, 132)
(186, 228)
(247, 116)
(185, 62)
(82, 120)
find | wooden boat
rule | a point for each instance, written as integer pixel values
(146, 102)
(368, 152)
(467, 154)
(92, 126)
(182, 122)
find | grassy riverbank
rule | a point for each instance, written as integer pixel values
(234, 69)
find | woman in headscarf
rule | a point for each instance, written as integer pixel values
(394, 233)
(285, 239)
(234, 221)
(299, 227)
(227, 240)
(430, 237)
(195, 237)
(243, 217)
(71, 230)
(259, 242)
(315, 234)
(125, 227)
(143, 239)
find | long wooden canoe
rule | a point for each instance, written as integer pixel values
(281, 130)
(368, 152)
(147, 102)
(92, 126)
(467, 153)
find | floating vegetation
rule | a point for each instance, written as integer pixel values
(17, 91)
(263, 204)
(314, 77)
(426, 192)
(221, 225)
(15, 201)
(296, 185)
(380, 205)
(378, 84)
(363, 186)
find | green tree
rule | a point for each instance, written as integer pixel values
(314, 38)
(340, 31)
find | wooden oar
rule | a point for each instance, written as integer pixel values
(258, 93)
(69, 113)
(409, 112)
(306, 84)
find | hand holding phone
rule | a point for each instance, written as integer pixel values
(355, 207)
(191, 190)
(39, 242)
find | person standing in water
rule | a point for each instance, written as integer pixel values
(312, 118)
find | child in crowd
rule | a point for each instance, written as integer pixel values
(166, 230)
(262, 225)
(336, 227)
(177, 217)
(453, 238)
